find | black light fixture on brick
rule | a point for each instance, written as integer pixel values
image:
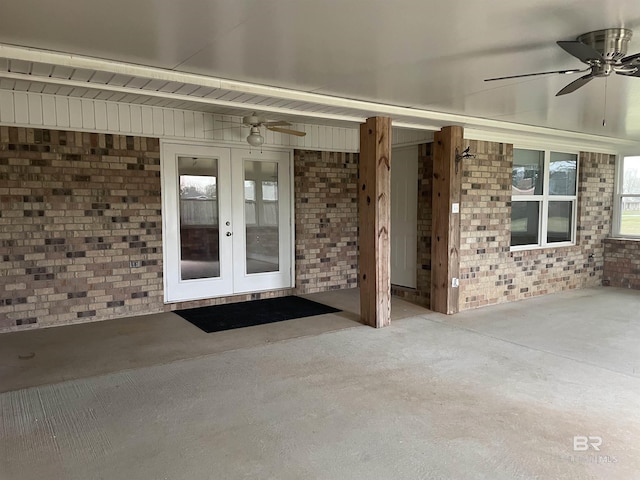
(461, 156)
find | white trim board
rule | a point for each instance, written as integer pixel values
(532, 140)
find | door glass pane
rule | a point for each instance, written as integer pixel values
(562, 173)
(261, 216)
(527, 174)
(630, 216)
(199, 237)
(525, 219)
(559, 222)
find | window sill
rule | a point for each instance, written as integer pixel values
(551, 246)
(620, 238)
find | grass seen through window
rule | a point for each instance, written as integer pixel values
(630, 223)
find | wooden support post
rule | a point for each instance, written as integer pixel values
(445, 237)
(374, 196)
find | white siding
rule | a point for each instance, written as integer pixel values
(49, 111)
(75, 113)
(35, 108)
(62, 112)
(403, 136)
(7, 114)
(21, 107)
(101, 115)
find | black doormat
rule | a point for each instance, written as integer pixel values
(258, 312)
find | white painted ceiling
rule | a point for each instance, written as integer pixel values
(429, 56)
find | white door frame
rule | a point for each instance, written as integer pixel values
(233, 278)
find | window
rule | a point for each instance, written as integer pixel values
(270, 203)
(198, 200)
(628, 201)
(250, 202)
(543, 198)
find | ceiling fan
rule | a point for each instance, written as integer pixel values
(255, 139)
(603, 51)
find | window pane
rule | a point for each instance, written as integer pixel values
(261, 230)
(631, 175)
(250, 190)
(559, 222)
(199, 233)
(197, 187)
(525, 219)
(270, 191)
(528, 172)
(250, 202)
(562, 173)
(250, 213)
(630, 216)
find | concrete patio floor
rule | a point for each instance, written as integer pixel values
(495, 393)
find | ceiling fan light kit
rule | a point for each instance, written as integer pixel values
(254, 138)
(603, 51)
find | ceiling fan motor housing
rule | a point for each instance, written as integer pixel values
(611, 43)
(252, 120)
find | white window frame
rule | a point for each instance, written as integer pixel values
(544, 200)
(618, 196)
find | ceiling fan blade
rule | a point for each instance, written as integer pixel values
(581, 51)
(631, 73)
(287, 131)
(280, 123)
(631, 60)
(576, 84)
(563, 72)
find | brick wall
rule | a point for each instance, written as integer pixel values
(422, 293)
(76, 208)
(490, 272)
(622, 263)
(326, 210)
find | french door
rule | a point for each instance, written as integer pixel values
(226, 221)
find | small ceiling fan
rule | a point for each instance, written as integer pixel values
(603, 51)
(255, 139)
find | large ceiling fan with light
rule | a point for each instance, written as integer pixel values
(255, 139)
(603, 51)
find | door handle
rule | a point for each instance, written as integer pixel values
(229, 234)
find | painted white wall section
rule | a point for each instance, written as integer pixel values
(26, 109)
(48, 111)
